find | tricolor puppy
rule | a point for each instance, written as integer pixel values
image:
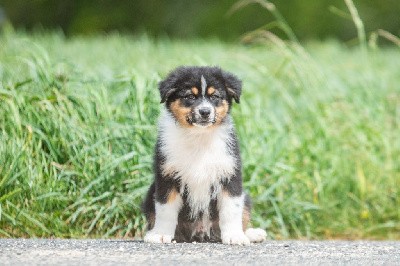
(197, 193)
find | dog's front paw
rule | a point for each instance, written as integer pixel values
(152, 237)
(235, 238)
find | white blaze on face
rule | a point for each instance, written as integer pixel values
(203, 86)
(204, 104)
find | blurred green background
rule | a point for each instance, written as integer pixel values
(318, 121)
(317, 19)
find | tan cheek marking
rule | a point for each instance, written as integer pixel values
(195, 91)
(210, 90)
(221, 112)
(180, 113)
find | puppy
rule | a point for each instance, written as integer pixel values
(197, 192)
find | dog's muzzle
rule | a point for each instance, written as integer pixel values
(204, 115)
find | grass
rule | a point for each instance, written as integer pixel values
(319, 130)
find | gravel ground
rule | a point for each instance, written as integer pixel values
(107, 252)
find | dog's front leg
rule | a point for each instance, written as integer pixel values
(230, 219)
(166, 219)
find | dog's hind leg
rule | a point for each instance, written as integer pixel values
(148, 207)
(255, 235)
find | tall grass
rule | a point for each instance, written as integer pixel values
(319, 133)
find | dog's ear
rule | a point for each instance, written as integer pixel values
(166, 93)
(233, 85)
(166, 88)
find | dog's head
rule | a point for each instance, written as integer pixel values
(199, 96)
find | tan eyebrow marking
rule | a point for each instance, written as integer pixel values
(210, 90)
(195, 91)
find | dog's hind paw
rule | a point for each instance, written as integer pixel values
(236, 238)
(256, 235)
(152, 237)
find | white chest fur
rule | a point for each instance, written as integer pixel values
(199, 157)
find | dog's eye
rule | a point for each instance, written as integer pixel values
(189, 97)
(213, 97)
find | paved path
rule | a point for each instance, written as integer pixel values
(107, 252)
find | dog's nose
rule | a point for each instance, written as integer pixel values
(205, 112)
